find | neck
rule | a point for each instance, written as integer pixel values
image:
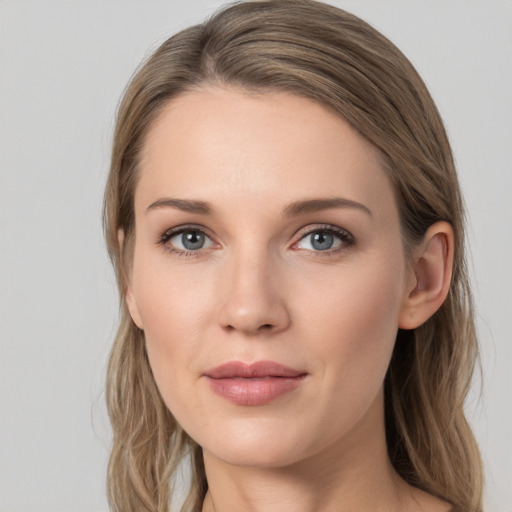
(354, 475)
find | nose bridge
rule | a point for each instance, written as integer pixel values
(252, 299)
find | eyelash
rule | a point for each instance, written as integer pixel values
(167, 235)
(347, 239)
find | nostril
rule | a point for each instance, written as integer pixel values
(264, 327)
(252, 315)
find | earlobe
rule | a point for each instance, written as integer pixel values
(131, 304)
(132, 307)
(432, 272)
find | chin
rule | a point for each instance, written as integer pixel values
(257, 456)
(269, 446)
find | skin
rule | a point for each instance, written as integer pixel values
(259, 290)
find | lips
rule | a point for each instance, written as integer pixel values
(261, 369)
(253, 384)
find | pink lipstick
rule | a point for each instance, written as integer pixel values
(253, 384)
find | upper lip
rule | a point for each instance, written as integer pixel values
(259, 369)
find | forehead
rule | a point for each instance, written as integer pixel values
(220, 144)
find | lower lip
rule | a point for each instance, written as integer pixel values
(254, 391)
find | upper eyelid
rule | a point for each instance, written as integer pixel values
(343, 234)
(187, 227)
(302, 231)
(323, 227)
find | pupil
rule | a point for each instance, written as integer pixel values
(322, 241)
(192, 240)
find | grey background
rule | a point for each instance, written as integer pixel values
(63, 66)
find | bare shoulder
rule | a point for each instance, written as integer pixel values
(426, 502)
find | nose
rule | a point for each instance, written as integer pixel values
(253, 299)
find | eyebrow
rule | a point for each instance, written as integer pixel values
(294, 209)
(186, 205)
(315, 205)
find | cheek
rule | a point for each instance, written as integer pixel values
(172, 306)
(354, 322)
(371, 305)
(171, 298)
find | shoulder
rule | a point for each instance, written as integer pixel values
(425, 502)
(430, 503)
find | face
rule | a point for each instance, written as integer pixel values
(268, 274)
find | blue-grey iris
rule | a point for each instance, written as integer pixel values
(192, 240)
(322, 240)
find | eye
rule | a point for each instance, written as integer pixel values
(186, 240)
(326, 239)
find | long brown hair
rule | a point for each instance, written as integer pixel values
(328, 55)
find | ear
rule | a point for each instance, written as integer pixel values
(129, 295)
(430, 278)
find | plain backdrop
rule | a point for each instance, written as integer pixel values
(63, 67)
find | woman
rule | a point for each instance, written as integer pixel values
(285, 221)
